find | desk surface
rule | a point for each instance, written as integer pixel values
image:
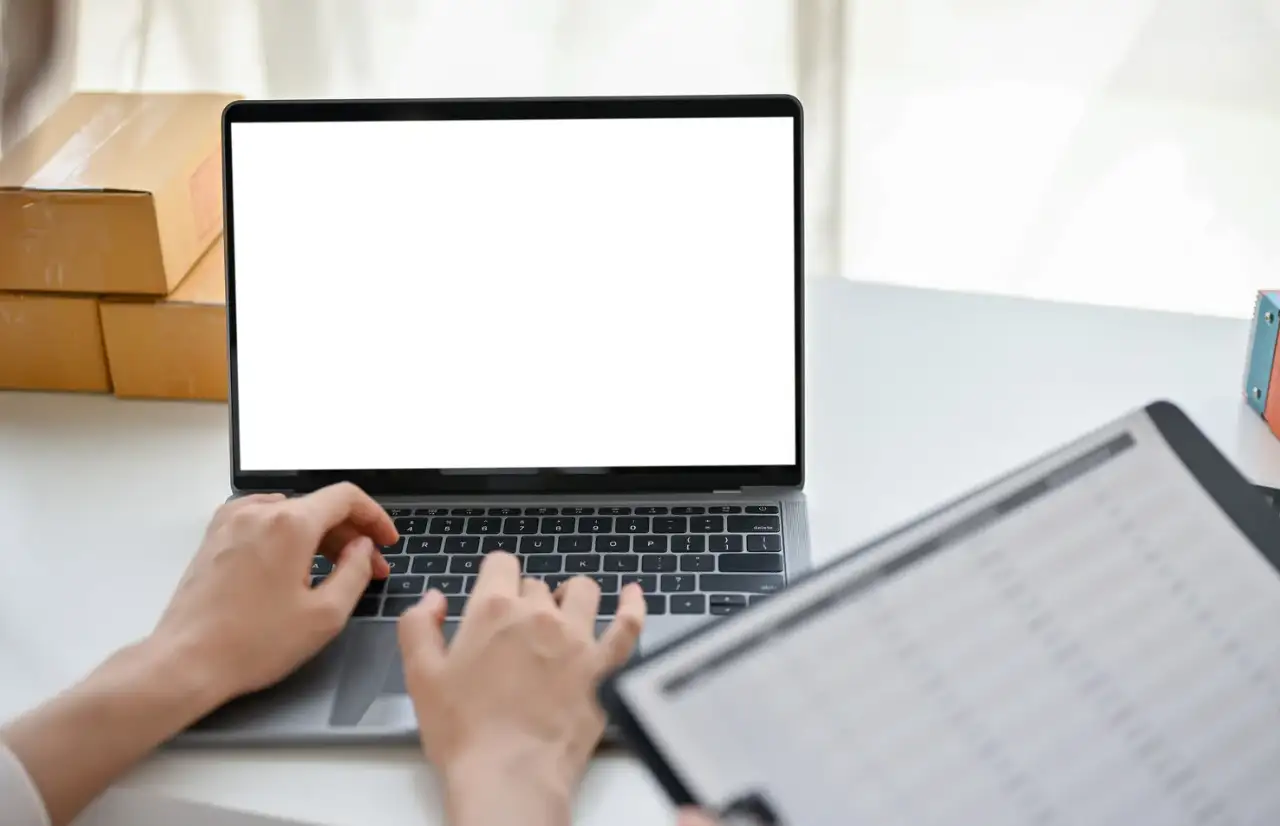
(913, 397)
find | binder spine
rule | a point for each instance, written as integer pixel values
(1262, 374)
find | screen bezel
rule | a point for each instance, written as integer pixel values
(427, 481)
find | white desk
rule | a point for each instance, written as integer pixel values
(914, 396)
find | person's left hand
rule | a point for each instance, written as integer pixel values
(245, 615)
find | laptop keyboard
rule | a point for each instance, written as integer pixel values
(688, 559)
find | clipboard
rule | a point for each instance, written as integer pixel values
(1173, 557)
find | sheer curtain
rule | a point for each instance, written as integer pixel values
(1109, 151)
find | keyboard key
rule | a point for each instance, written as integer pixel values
(689, 604)
(559, 524)
(736, 600)
(410, 524)
(405, 585)
(462, 545)
(699, 563)
(470, 584)
(657, 564)
(504, 511)
(633, 524)
(542, 565)
(752, 563)
(724, 542)
(541, 511)
(396, 547)
(395, 606)
(678, 582)
(688, 510)
(670, 524)
(648, 582)
(484, 524)
(573, 544)
(595, 524)
(691, 543)
(650, 544)
(582, 563)
(520, 525)
(431, 512)
(454, 606)
(762, 508)
(425, 544)
(615, 511)
(399, 563)
(366, 607)
(320, 565)
(613, 544)
(537, 544)
(465, 564)
(764, 542)
(398, 511)
(707, 524)
(577, 511)
(721, 610)
(622, 562)
(447, 525)
(316, 580)
(608, 583)
(429, 565)
(655, 604)
(554, 581)
(375, 586)
(757, 598)
(468, 511)
(724, 509)
(755, 524)
(651, 510)
(499, 543)
(608, 605)
(742, 583)
(447, 583)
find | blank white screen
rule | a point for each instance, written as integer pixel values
(515, 294)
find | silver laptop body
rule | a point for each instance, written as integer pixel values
(571, 329)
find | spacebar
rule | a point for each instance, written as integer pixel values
(741, 583)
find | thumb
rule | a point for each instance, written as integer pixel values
(344, 587)
(421, 638)
(689, 816)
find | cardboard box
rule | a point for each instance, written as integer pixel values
(51, 342)
(176, 347)
(114, 193)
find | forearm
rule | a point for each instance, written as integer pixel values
(75, 745)
(506, 792)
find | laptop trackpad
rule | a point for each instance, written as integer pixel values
(371, 689)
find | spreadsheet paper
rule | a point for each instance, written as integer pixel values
(1091, 641)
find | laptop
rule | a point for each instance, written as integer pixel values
(569, 329)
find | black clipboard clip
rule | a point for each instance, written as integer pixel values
(752, 809)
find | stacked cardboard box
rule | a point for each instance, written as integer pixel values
(110, 274)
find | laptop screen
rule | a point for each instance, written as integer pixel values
(507, 294)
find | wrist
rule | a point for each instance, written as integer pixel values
(173, 674)
(507, 785)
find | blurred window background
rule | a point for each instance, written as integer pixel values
(1121, 152)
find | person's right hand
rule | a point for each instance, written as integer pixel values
(508, 711)
(695, 817)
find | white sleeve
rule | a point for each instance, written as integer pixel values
(19, 800)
